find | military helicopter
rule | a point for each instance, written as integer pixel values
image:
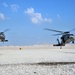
(2, 36)
(66, 37)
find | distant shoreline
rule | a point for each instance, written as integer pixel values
(50, 46)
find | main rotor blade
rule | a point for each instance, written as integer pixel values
(72, 30)
(6, 30)
(53, 30)
(56, 34)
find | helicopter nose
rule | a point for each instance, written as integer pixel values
(73, 37)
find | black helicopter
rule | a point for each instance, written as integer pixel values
(66, 37)
(2, 36)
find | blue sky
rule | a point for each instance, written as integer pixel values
(26, 20)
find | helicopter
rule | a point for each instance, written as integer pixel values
(2, 36)
(66, 37)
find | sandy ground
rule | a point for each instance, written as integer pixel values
(37, 60)
(22, 69)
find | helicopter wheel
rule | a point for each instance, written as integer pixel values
(60, 47)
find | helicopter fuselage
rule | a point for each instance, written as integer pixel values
(67, 38)
(2, 38)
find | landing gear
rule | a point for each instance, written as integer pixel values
(3, 40)
(58, 41)
(73, 42)
(60, 47)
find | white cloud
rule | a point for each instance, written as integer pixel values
(36, 17)
(14, 7)
(5, 4)
(48, 20)
(58, 16)
(2, 16)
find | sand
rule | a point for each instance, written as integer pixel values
(37, 60)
